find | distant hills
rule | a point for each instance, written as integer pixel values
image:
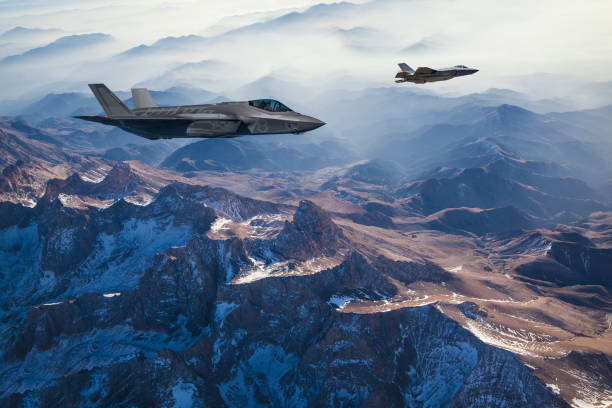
(28, 34)
(472, 155)
(485, 135)
(58, 48)
(20, 39)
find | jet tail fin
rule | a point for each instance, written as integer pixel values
(405, 68)
(142, 98)
(111, 104)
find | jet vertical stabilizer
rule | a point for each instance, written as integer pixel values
(111, 104)
(405, 68)
(142, 98)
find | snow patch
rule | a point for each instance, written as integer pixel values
(20, 272)
(183, 394)
(220, 224)
(509, 339)
(554, 388)
(263, 226)
(223, 310)
(69, 200)
(230, 206)
(266, 367)
(536, 245)
(443, 371)
(61, 241)
(579, 403)
(339, 301)
(51, 304)
(97, 348)
(118, 260)
(259, 270)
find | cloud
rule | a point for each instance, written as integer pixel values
(423, 46)
(361, 41)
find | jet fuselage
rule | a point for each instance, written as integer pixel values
(425, 74)
(225, 119)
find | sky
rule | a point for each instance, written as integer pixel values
(136, 21)
(508, 41)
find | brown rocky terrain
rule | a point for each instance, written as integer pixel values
(241, 343)
(127, 284)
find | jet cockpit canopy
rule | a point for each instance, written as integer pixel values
(270, 105)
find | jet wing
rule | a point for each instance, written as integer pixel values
(100, 119)
(424, 71)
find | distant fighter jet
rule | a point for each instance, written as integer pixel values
(225, 119)
(424, 74)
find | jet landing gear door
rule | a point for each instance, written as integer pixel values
(257, 126)
(213, 128)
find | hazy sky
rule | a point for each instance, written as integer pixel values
(505, 40)
(543, 31)
(135, 21)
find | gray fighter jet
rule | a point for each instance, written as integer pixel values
(225, 119)
(425, 74)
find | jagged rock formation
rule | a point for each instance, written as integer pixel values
(311, 232)
(187, 330)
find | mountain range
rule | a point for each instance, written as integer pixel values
(462, 262)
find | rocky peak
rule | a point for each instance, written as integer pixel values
(168, 199)
(311, 232)
(310, 218)
(408, 272)
(12, 173)
(171, 204)
(121, 181)
(74, 184)
(355, 278)
(231, 205)
(120, 178)
(120, 209)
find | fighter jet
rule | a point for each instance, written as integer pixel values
(225, 119)
(425, 74)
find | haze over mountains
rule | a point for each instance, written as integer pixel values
(447, 246)
(353, 38)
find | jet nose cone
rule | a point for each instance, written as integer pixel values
(311, 123)
(317, 123)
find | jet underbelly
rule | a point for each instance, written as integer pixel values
(440, 78)
(270, 125)
(213, 128)
(154, 128)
